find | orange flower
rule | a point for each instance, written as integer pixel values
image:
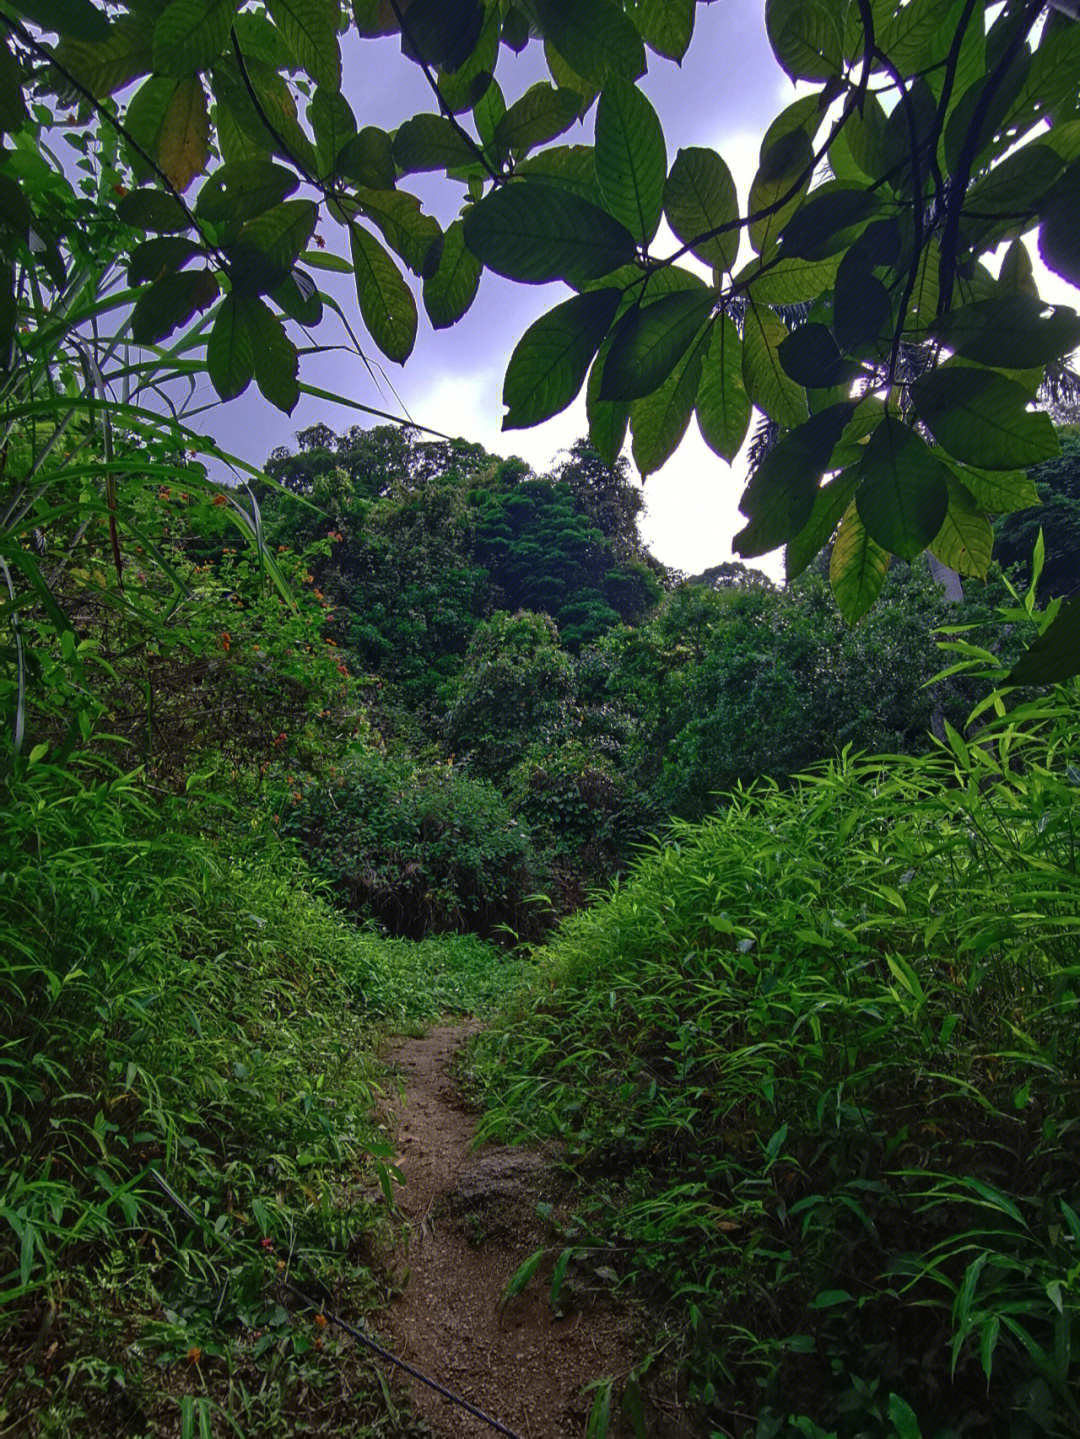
(226, 639)
(219, 500)
(320, 1320)
(194, 1354)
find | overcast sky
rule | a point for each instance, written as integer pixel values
(724, 94)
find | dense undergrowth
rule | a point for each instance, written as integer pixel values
(191, 1005)
(816, 1064)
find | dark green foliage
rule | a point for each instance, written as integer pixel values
(421, 848)
(1058, 483)
(740, 681)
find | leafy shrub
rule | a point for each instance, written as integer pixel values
(422, 848)
(171, 1004)
(817, 1062)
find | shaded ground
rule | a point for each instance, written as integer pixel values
(473, 1221)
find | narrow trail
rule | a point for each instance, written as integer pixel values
(473, 1220)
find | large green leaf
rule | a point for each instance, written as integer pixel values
(125, 54)
(1059, 234)
(608, 419)
(191, 34)
(170, 303)
(547, 368)
(665, 25)
(543, 112)
(982, 418)
(723, 406)
(965, 541)
(310, 31)
(147, 209)
(430, 142)
(700, 196)
(368, 159)
(460, 89)
(773, 281)
(999, 493)
(568, 166)
(268, 245)
(659, 421)
(414, 236)
(1006, 201)
(78, 19)
(778, 187)
(825, 220)
(299, 297)
(595, 39)
(535, 232)
(904, 494)
(280, 131)
(239, 191)
(1055, 655)
(230, 357)
(911, 31)
(154, 259)
(330, 116)
(277, 364)
(442, 33)
(168, 118)
(806, 37)
(386, 302)
(630, 157)
(450, 291)
(183, 141)
(779, 497)
(649, 342)
(767, 383)
(1016, 332)
(830, 502)
(857, 568)
(810, 357)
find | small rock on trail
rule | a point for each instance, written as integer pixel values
(473, 1220)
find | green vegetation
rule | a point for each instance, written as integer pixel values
(279, 758)
(815, 1063)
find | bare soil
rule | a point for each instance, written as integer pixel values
(472, 1221)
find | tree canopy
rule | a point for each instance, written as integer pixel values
(887, 320)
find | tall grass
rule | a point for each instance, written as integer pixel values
(172, 1002)
(817, 1061)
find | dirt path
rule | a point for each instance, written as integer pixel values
(473, 1220)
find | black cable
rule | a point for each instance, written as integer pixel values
(351, 1330)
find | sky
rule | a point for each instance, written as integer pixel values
(727, 90)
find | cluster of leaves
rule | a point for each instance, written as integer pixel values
(174, 1004)
(932, 132)
(814, 1066)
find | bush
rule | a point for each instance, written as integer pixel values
(420, 848)
(817, 1060)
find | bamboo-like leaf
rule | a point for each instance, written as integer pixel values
(1055, 655)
